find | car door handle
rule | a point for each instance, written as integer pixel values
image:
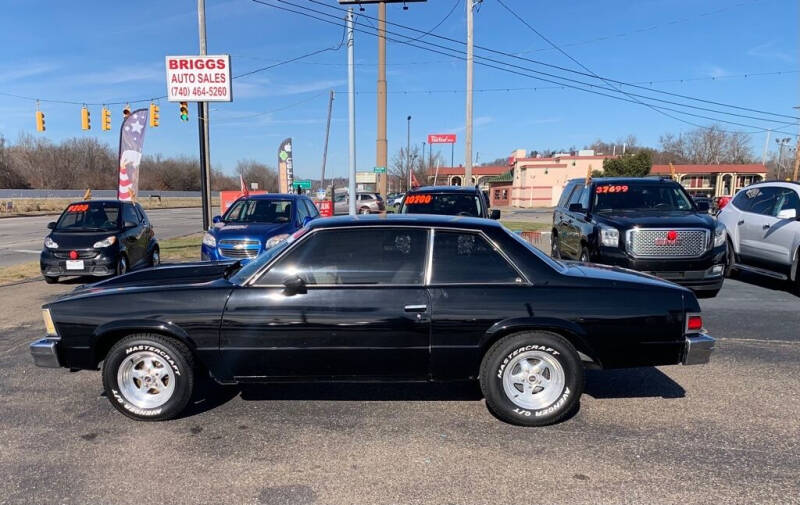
(415, 308)
(740, 223)
(765, 227)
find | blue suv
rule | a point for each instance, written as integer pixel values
(255, 223)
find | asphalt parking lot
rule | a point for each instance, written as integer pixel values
(727, 432)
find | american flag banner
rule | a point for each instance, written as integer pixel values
(131, 140)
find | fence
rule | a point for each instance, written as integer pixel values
(538, 239)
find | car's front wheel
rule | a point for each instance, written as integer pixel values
(122, 266)
(554, 252)
(364, 210)
(149, 377)
(155, 257)
(532, 378)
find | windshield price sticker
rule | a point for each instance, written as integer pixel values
(611, 189)
(416, 199)
(78, 207)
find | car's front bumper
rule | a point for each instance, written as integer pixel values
(102, 264)
(704, 273)
(45, 352)
(697, 349)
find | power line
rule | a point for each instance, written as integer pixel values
(452, 9)
(537, 62)
(257, 114)
(458, 55)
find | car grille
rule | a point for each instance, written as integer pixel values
(239, 248)
(655, 243)
(82, 255)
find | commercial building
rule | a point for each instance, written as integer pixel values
(454, 176)
(714, 180)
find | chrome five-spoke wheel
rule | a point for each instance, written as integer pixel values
(146, 380)
(533, 380)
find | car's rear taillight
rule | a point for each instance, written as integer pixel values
(694, 323)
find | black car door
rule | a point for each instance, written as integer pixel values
(571, 241)
(560, 217)
(364, 311)
(132, 235)
(472, 287)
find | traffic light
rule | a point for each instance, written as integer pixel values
(40, 121)
(153, 115)
(184, 111)
(126, 111)
(106, 119)
(85, 119)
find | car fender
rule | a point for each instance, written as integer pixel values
(568, 329)
(105, 334)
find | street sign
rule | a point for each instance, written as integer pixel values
(366, 178)
(379, 170)
(300, 183)
(199, 78)
(442, 138)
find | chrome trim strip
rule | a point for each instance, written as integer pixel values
(429, 261)
(697, 349)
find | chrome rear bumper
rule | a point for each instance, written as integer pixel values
(45, 353)
(697, 349)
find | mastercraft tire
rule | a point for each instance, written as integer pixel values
(149, 377)
(531, 378)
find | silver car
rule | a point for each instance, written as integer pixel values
(366, 203)
(763, 226)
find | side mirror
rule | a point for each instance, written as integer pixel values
(294, 286)
(787, 214)
(702, 206)
(216, 219)
(51, 225)
(130, 224)
(307, 220)
(494, 214)
(576, 207)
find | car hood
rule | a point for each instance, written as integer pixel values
(79, 240)
(165, 275)
(615, 274)
(251, 230)
(664, 219)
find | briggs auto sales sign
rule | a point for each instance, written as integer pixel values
(442, 138)
(199, 78)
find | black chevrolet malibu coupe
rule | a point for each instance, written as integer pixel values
(394, 298)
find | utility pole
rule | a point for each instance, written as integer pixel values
(351, 110)
(408, 152)
(468, 123)
(796, 154)
(766, 144)
(381, 147)
(325, 149)
(202, 125)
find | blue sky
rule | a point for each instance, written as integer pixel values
(97, 51)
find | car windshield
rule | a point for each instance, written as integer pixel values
(259, 211)
(449, 204)
(89, 216)
(609, 197)
(244, 273)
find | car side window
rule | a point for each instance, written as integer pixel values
(302, 211)
(762, 200)
(786, 199)
(340, 197)
(741, 201)
(140, 212)
(312, 209)
(562, 202)
(468, 258)
(129, 214)
(576, 195)
(375, 256)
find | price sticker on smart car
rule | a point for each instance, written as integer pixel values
(612, 189)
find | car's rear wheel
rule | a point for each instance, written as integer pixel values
(532, 378)
(149, 377)
(50, 280)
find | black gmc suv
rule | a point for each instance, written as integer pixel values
(647, 224)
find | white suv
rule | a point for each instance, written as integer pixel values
(763, 225)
